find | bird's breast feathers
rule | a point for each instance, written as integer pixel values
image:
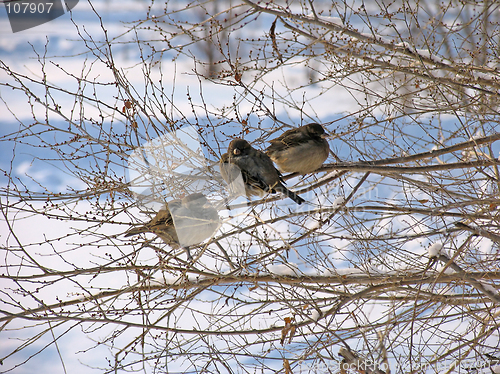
(303, 158)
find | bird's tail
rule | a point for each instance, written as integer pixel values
(188, 253)
(292, 195)
(134, 231)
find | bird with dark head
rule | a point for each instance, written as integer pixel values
(254, 169)
(182, 223)
(301, 150)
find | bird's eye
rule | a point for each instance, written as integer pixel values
(236, 151)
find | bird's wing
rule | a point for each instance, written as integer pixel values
(162, 218)
(253, 171)
(272, 177)
(261, 172)
(287, 139)
(268, 171)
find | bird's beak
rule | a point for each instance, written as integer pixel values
(325, 136)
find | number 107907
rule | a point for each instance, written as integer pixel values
(28, 7)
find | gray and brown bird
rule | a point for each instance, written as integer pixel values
(251, 171)
(301, 150)
(183, 223)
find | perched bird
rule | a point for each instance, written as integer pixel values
(183, 223)
(162, 225)
(246, 168)
(301, 150)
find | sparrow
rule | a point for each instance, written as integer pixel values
(251, 171)
(301, 150)
(182, 223)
